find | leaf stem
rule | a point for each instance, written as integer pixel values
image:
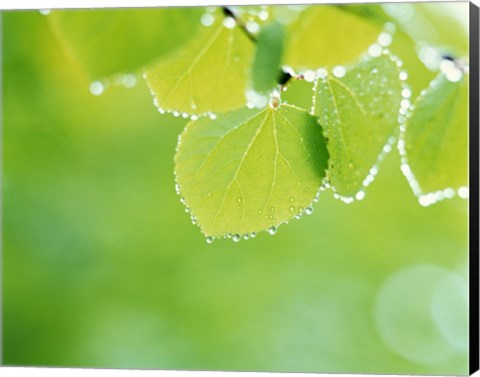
(284, 76)
(229, 13)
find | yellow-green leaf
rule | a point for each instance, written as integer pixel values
(325, 35)
(250, 170)
(208, 75)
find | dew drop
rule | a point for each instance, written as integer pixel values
(339, 71)
(424, 200)
(229, 22)
(292, 208)
(405, 103)
(272, 230)
(176, 114)
(274, 102)
(194, 117)
(309, 76)
(207, 19)
(236, 237)
(406, 93)
(263, 15)
(309, 210)
(96, 88)
(385, 39)
(44, 12)
(449, 193)
(403, 76)
(375, 50)
(454, 75)
(213, 116)
(322, 73)
(209, 239)
(252, 27)
(463, 192)
(253, 235)
(360, 195)
(129, 80)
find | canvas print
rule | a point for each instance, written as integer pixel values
(279, 188)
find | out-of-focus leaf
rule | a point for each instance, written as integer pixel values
(112, 41)
(268, 57)
(324, 35)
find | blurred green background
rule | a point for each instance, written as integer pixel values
(103, 268)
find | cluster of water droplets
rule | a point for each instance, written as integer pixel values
(287, 14)
(425, 199)
(375, 50)
(209, 17)
(127, 80)
(272, 230)
(252, 19)
(180, 114)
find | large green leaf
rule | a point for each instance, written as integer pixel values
(209, 75)
(325, 35)
(268, 57)
(434, 141)
(250, 170)
(112, 41)
(358, 109)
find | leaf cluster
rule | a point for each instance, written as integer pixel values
(249, 159)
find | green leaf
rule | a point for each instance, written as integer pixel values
(208, 75)
(106, 42)
(434, 141)
(359, 113)
(325, 35)
(268, 57)
(250, 170)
